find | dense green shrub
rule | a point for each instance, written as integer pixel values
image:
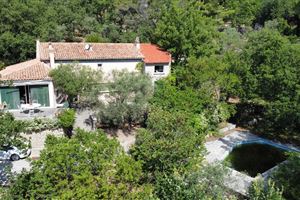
(200, 105)
(287, 177)
(10, 130)
(87, 166)
(207, 183)
(269, 72)
(260, 191)
(170, 142)
(282, 120)
(168, 96)
(66, 120)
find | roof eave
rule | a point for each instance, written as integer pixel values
(92, 59)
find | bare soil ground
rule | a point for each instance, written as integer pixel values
(216, 137)
(124, 136)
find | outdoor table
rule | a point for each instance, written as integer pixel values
(30, 106)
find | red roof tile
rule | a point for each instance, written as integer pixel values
(153, 54)
(97, 51)
(29, 70)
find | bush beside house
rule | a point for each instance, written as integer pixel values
(66, 120)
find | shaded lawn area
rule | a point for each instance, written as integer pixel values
(254, 158)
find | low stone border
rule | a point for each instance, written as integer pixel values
(228, 127)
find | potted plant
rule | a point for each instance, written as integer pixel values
(66, 120)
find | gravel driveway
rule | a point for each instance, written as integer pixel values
(8, 167)
(38, 141)
(125, 138)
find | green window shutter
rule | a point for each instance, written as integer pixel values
(40, 93)
(11, 96)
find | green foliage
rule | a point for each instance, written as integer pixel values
(271, 65)
(282, 119)
(258, 191)
(40, 124)
(113, 21)
(169, 143)
(94, 38)
(10, 130)
(75, 80)
(88, 166)
(211, 75)
(127, 101)
(232, 40)
(270, 77)
(200, 104)
(140, 67)
(206, 184)
(168, 96)
(243, 12)
(185, 30)
(66, 118)
(287, 177)
(2, 66)
(284, 13)
(4, 193)
(170, 151)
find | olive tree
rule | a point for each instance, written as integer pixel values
(125, 100)
(75, 80)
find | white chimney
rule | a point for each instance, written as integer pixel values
(51, 55)
(137, 43)
(37, 49)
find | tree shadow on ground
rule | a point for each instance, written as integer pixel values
(115, 132)
(5, 172)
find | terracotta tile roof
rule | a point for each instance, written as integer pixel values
(98, 51)
(29, 70)
(153, 54)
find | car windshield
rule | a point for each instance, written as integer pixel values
(6, 148)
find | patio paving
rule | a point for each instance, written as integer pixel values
(219, 149)
(40, 113)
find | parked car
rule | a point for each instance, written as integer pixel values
(13, 153)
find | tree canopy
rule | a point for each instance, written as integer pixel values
(269, 74)
(242, 49)
(75, 80)
(125, 99)
(171, 141)
(10, 130)
(88, 166)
